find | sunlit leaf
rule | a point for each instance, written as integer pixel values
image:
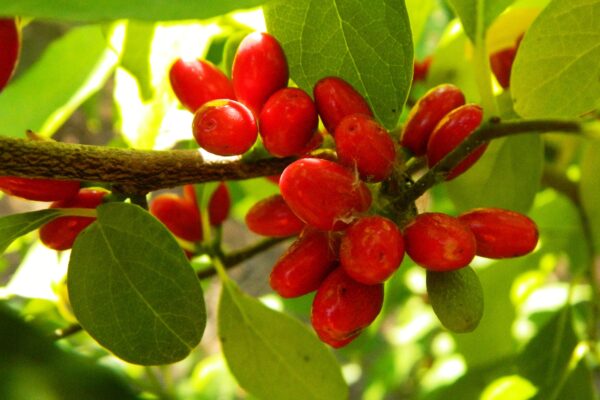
(272, 355)
(590, 189)
(368, 44)
(477, 15)
(132, 288)
(136, 55)
(557, 67)
(17, 225)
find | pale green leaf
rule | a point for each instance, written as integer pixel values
(17, 225)
(136, 55)
(507, 176)
(151, 10)
(132, 288)
(590, 189)
(272, 355)
(557, 69)
(71, 69)
(369, 44)
(478, 12)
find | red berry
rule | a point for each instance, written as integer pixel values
(371, 250)
(10, 47)
(225, 127)
(439, 242)
(39, 189)
(501, 63)
(259, 70)
(342, 307)
(421, 68)
(180, 216)
(426, 114)
(450, 132)
(501, 233)
(60, 233)
(273, 217)
(363, 143)
(196, 82)
(322, 193)
(304, 265)
(218, 205)
(335, 99)
(288, 121)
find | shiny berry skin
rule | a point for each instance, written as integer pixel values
(273, 217)
(425, 115)
(335, 99)
(39, 189)
(196, 82)
(179, 215)
(322, 193)
(305, 264)
(362, 143)
(225, 127)
(342, 307)
(259, 70)
(218, 205)
(287, 122)
(501, 233)
(501, 63)
(371, 250)
(450, 132)
(439, 242)
(10, 48)
(60, 233)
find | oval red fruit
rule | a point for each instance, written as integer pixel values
(218, 205)
(421, 68)
(501, 233)
(259, 70)
(288, 121)
(39, 189)
(322, 193)
(273, 217)
(361, 142)
(304, 265)
(196, 82)
(225, 127)
(426, 114)
(10, 47)
(439, 242)
(342, 307)
(501, 63)
(371, 250)
(450, 132)
(180, 216)
(60, 233)
(335, 99)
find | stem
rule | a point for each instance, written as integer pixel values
(66, 332)
(237, 257)
(133, 171)
(492, 129)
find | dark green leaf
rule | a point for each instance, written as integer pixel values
(132, 288)
(590, 189)
(136, 55)
(16, 225)
(272, 355)
(150, 10)
(70, 71)
(369, 44)
(580, 384)
(507, 176)
(478, 12)
(557, 69)
(32, 367)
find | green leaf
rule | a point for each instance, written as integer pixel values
(272, 355)
(369, 44)
(580, 384)
(474, 12)
(132, 288)
(545, 359)
(150, 10)
(136, 55)
(17, 225)
(507, 176)
(557, 67)
(71, 69)
(589, 187)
